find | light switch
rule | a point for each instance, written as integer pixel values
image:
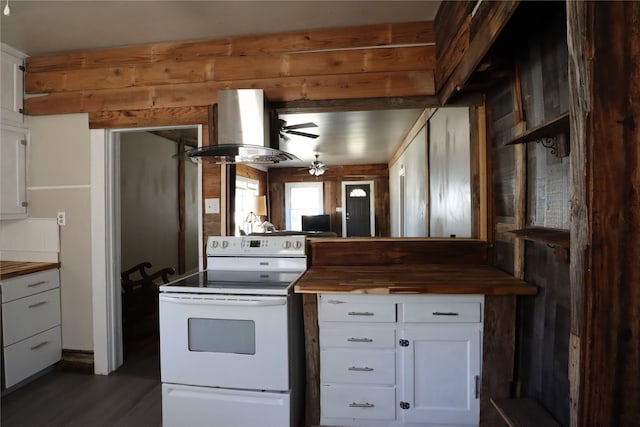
(212, 206)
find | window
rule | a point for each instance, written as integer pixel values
(246, 192)
(302, 198)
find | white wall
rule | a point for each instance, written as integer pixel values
(59, 181)
(450, 173)
(149, 200)
(414, 163)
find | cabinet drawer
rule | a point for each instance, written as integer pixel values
(28, 316)
(29, 284)
(358, 367)
(334, 309)
(442, 312)
(32, 355)
(372, 403)
(357, 336)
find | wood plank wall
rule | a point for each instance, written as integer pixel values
(332, 180)
(536, 92)
(459, 52)
(345, 63)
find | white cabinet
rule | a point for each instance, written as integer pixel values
(30, 324)
(441, 365)
(357, 360)
(405, 360)
(13, 167)
(12, 85)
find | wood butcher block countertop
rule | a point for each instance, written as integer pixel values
(413, 279)
(9, 269)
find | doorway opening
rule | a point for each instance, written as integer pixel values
(358, 214)
(115, 240)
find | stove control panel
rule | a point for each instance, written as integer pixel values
(264, 246)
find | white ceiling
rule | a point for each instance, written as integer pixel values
(49, 26)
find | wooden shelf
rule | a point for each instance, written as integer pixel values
(550, 128)
(523, 413)
(550, 236)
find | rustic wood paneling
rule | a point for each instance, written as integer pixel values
(234, 68)
(321, 39)
(355, 251)
(497, 354)
(544, 325)
(448, 22)
(500, 127)
(523, 176)
(474, 39)
(312, 359)
(363, 85)
(150, 117)
(350, 63)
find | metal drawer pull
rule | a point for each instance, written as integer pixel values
(42, 344)
(444, 313)
(352, 339)
(361, 405)
(33, 285)
(365, 369)
(38, 304)
(360, 313)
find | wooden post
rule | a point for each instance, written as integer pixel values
(604, 76)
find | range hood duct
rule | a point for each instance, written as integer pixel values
(245, 134)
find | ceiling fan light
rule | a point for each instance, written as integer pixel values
(312, 171)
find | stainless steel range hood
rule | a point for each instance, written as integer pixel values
(245, 134)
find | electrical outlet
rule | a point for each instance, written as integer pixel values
(62, 218)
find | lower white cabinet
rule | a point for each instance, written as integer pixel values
(405, 360)
(30, 324)
(441, 363)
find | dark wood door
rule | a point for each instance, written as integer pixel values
(358, 210)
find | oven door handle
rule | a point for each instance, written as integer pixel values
(225, 301)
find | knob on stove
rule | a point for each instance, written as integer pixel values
(214, 244)
(297, 244)
(286, 244)
(225, 244)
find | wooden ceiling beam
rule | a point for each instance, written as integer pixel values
(411, 33)
(465, 50)
(234, 68)
(349, 86)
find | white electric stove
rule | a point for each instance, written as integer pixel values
(231, 340)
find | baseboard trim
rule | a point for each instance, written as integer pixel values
(77, 361)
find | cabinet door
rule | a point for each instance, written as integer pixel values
(11, 94)
(13, 164)
(441, 373)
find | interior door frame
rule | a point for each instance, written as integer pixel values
(372, 204)
(105, 242)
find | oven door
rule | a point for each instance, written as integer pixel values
(230, 341)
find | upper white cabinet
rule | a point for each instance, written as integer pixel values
(13, 169)
(12, 89)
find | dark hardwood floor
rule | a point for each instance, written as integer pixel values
(131, 396)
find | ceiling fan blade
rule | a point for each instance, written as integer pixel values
(300, 126)
(307, 135)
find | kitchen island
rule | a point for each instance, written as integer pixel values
(396, 270)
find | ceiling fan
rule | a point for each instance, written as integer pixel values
(293, 130)
(317, 168)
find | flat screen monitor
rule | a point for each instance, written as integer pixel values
(316, 222)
